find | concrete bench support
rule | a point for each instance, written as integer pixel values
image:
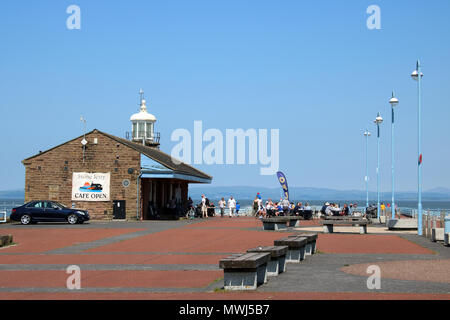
(6, 240)
(274, 226)
(310, 247)
(294, 221)
(277, 262)
(437, 234)
(296, 245)
(277, 223)
(363, 229)
(245, 271)
(328, 228)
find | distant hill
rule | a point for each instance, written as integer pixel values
(12, 194)
(296, 193)
(305, 193)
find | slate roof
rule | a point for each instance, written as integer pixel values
(152, 153)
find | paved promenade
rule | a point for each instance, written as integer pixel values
(179, 260)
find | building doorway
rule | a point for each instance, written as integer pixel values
(119, 209)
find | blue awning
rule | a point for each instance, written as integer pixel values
(154, 170)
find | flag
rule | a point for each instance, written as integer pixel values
(284, 185)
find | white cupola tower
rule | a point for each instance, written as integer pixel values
(143, 126)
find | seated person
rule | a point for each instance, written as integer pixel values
(307, 211)
(333, 210)
(279, 209)
(297, 208)
(345, 210)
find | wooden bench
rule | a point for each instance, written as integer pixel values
(342, 218)
(328, 224)
(275, 223)
(296, 248)
(311, 246)
(277, 262)
(245, 271)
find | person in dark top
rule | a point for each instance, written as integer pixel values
(345, 210)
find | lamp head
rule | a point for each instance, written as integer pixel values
(415, 75)
(378, 119)
(366, 133)
(393, 101)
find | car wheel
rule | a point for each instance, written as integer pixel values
(25, 219)
(72, 219)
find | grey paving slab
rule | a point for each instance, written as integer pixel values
(321, 273)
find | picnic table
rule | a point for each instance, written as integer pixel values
(329, 222)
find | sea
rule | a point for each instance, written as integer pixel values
(407, 207)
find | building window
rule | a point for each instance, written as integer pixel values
(149, 130)
(134, 133)
(141, 130)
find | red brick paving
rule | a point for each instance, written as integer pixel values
(368, 244)
(194, 240)
(240, 222)
(110, 279)
(211, 236)
(258, 296)
(418, 270)
(65, 259)
(226, 222)
(41, 240)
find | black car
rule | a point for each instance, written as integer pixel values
(47, 211)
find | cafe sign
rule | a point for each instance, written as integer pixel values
(90, 186)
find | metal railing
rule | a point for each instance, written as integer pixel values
(3, 216)
(6, 206)
(155, 139)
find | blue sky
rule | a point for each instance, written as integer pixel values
(309, 68)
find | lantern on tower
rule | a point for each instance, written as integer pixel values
(143, 125)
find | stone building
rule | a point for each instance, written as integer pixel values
(112, 177)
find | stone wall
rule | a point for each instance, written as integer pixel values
(48, 176)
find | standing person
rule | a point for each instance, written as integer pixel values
(286, 206)
(255, 206)
(231, 205)
(383, 209)
(238, 207)
(222, 205)
(204, 207)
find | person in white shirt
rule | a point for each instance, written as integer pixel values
(222, 205)
(231, 205)
(204, 207)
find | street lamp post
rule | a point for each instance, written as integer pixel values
(367, 135)
(416, 77)
(394, 102)
(378, 121)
